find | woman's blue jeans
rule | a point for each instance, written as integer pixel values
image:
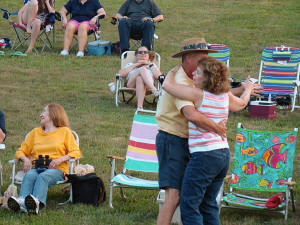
(37, 184)
(202, 181)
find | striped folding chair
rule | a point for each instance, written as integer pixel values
(140, 157)
(279, 73)
(222, 54)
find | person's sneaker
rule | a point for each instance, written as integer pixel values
(80, 54)
(64, 52)
(14, 203)
(32, 204)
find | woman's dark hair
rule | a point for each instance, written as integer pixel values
(42, 7)
(215, 74)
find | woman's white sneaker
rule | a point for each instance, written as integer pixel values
(80, 54)
(14, 203)
(64, 52)
(32, 204)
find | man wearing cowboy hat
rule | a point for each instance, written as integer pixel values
(172, 117)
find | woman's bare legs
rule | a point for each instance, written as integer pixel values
(83, 30)
(36, 26)
(29, 14)
(141, 80)
(68, 37)
(140, 91)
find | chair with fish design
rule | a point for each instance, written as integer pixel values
(140, 158)
(279, 75)
(262, 164)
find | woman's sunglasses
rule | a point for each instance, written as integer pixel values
(142, 52)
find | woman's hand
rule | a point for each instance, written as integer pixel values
(64, 23)
(27, 164)
(55, 162)
(93, 21)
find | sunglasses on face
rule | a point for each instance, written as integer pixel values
(197, 46)
(142, 52)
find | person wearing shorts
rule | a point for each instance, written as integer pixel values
(172, 117)
(2, 127)
(84, 15)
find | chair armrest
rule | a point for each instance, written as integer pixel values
(118, 76)
(115, 157)
(296, 82)
(291, 183)
(114, 20)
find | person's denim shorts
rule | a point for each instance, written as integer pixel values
(173, 156)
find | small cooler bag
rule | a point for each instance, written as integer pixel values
(99, 47)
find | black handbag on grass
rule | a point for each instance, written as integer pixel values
(88, 189)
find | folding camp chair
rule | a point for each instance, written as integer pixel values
(279, 73)
(140, 157)
(22, 37)
(121, 88)
(18, 174)
(135, 40)
(223, 53)
(262, 163)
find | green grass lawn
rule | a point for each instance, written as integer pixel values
(27, 84)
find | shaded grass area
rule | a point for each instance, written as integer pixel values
(80, 85)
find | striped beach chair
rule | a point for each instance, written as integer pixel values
(223, 53)
(262, 165)
(279, 73)
(140, 157)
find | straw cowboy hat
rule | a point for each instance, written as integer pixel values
(193, 45)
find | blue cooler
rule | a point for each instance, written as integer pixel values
(99, 47)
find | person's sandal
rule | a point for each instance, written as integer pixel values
(18, 53)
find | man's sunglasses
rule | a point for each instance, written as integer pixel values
(141, 52)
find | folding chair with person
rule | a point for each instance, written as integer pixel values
(279, 75)
(140, 157)
(18, 173)
(121, 82)
(46, 34)
(262, 163)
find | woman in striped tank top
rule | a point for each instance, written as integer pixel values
(210, 154)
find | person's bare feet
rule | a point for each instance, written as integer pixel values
(29, 50)
(28, 29)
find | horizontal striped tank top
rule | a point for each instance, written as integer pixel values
(214, 107)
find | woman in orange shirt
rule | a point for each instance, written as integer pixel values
(54, 141)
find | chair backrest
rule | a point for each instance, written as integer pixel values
(263, 160)
(129, 57)
(141, 152)
(223, 53)
(279, 68)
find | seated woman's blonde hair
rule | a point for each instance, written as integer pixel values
(58, 115)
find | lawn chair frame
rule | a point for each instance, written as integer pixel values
(291, 66)
(16, 166)
(242, 180)
(127, 57)
(136, 164)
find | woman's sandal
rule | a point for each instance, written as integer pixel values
(18, 53)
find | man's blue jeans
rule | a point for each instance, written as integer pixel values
(202, 181)
(37, 183)
(128, 27)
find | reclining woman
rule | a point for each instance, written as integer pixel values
(141, 74)
(210, 154)
(32, 15)
(85, 14)
(54, 139)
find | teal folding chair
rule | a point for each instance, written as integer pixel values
(140, 157)
(262, 163)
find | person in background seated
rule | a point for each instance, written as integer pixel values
(138, 17)
(2, 127)
(32, 15)
(84, 15)
(141, 74)
(53, 139)
(212, 97)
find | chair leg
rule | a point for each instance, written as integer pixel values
(293, 200)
